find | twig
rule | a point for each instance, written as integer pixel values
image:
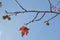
(50, 5)
(41, 17)
(36, 19)
(32, 19)
(35, 16)
(21, 6)
(51, 18)
(6, 11)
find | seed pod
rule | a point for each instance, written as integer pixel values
(4, 17)
(9, 18)
(47, 23)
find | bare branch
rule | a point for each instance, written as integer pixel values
(41, 17)
(6, 11)
(34, 11)
(32, 19)
(50, 5)
(51, 18)
(36, 19)
(21, 6)
(28, 23)
(35, 16)
(20, 12)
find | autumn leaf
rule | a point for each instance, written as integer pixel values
(24, 30)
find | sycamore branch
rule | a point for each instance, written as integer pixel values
(40, 17)
(35, 18)
(21, 12)
(52, 18)
(34, 11)
(20, 6)
(32, 19)
(50, 5)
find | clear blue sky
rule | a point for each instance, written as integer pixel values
(9, 30)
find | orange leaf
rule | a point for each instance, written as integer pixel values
(24, 30)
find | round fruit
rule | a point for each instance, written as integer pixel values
(47, 23)
(4, 17)
(9, 18)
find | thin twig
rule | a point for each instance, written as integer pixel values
(41, 17)
(21, 6)
(28, 23)
(51, 18)
(32, 19)
(36, 19)
(6, 11)
(50, 5)
(35, 16)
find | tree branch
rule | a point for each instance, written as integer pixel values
(51, 18)
(40, 17)
(20, 12)
(32, 19)
(50, 5)
(21, 6)
(35, 16)
(34, 11)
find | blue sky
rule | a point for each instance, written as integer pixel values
(9, 30)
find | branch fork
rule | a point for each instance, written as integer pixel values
(36, 12)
